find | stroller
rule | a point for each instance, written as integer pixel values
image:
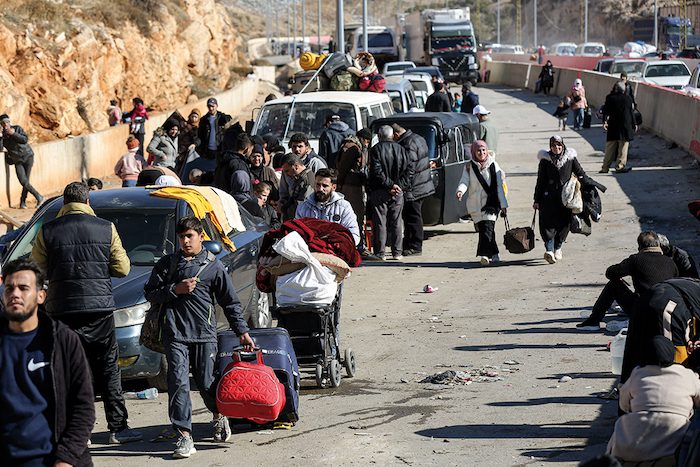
(306, 285)
(315, 337)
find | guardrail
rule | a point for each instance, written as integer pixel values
(57, 163)
(670, 114)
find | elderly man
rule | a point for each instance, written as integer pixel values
(647, 268)
(618, 114)
(390, 174)
(20, 154)
(488, 131)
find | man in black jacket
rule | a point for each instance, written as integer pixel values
(469, 99)
(230, 162)
(390, 175)
(329, 142)
(647, 268)
(438, 101)
(80, 253)
(46, 397)
(211, 130)
(421, 187)
(20, 154)
(619, 122)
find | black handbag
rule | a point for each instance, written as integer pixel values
(637, 117)
(520, 239)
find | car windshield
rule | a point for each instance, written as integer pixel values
(420, 85)
(593, 49)
(383, 39)
(308, 117)
(450, 41)
(147, 234)
(631, 68)
(665, 70)
(396, 101)
(398, 66)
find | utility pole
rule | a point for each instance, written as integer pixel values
(319, 26)
(535, 21)
(365, 37)
(656, 24)
(294, 46)
(303, 24)
(498, 22)
(339, 23)
(289, 33)
(585, 36)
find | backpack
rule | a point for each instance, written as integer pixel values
(374, 83)
(344, 81)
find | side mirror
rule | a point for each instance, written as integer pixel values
(212, 246)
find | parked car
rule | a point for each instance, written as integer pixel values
(396, 68)
(449, 136)
(590, 49)
(421, 81)
(431, 70)
(672, 74)
(310, 111)
(633, 67)
(508, 49)
(563, 48)
(603, 65)
(689, 52)
(146, 225)
(403, 98)
(693, 87)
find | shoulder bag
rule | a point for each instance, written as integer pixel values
(520, 239)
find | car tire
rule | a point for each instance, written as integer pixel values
(160, 381)
(260, 316)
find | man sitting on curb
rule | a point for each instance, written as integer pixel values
(647, 268)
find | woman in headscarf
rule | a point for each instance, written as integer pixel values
(483, 183)
(576, 99)
(547, 77)
(555, 169)
(658, 401)
(259, 172)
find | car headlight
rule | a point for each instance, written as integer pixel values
(132, 315)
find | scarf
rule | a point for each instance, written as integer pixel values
(475, 147)
(257, 172)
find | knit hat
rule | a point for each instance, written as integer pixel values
(132, 142)
(467, 86)
(4, 118)
(168, 125)
(258, 149)
(364, 133)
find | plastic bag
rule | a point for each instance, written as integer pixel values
(571, 195)
(315, 284)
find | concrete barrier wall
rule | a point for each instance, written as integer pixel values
(57, 163)
(670, 114)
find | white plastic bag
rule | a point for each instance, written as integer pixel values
(571, 195)
(313, 285)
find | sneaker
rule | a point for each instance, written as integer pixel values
(485, 260)
(222, 429)
(397, 257)
(365, 252)
(557, 254)
(127, 435)
(23, 205)
(623, 170)
(589, 325)
(40, 200)
(184, 447)
(495, 259)
(549, 256)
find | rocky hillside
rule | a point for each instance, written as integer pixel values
(62, 61)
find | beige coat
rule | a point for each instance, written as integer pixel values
(659, 403)
(582, 104)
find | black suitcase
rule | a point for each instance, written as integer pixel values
(587, 118)
(278, 353)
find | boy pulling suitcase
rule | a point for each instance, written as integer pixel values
(186, 283)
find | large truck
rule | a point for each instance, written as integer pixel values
(445, 39)
(669, 31)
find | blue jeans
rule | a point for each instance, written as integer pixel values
(128, 183)
(551, 246)
(578, 118)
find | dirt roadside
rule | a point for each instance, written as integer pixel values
(521, 311)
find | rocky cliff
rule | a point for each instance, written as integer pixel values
(58, 81)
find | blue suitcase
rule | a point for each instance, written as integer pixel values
(278, 353)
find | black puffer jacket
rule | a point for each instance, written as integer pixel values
(205, 129)
(389, 166)
(229, 162)
(417, 149)
(73, 397)
(80, 254)
(18, 150)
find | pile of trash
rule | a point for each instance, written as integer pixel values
(485, 374)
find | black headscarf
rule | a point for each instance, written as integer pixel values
(659, 351)
(557, 139)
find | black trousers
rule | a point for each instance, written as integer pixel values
(615, 290)
(96, 332)
(23, 171)
(413, 225)
(140, 137)
(487, 239)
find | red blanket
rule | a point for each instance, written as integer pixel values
(321, 236)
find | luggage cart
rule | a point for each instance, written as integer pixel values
(313, 330)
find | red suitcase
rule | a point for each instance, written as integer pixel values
(250, 390)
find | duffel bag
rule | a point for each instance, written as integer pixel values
(520, 239)
(373, 83)
(250, 390)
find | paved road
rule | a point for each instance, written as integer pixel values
(522, 310)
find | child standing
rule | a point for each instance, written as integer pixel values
(562, 113)
(130, 165)
(187, 283)
(483, 184)
(262, 190)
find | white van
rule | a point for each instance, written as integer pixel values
(563, 48)
(403, 98)
(382, 42)
(310, 110)
(590, 49)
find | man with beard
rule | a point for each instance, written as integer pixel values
(46, 397)
(328, 205)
